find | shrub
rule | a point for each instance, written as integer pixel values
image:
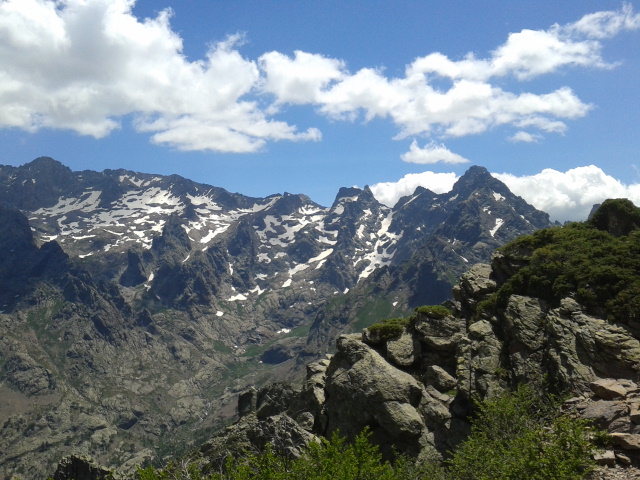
(519, 435)
(434, 311)
(332, 459)
(523, 435)
(600, 270)
(389, 328)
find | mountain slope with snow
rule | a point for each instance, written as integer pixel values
(146, 302)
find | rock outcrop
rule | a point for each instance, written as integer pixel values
(415, 390)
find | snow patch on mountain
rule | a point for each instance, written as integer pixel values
(499, 223)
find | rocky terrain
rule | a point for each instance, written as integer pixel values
(135, 307)
(414, 388)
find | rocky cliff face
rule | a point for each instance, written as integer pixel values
(414, 390)
(135, 307)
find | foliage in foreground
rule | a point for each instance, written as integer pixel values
(332, 459)
(434, 311)
(524, 435)
(520, 435)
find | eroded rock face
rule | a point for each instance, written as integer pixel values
(25, 375)
(363, 389)
(528, 338)
(251, 435)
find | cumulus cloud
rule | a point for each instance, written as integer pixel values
(473, 102)
(300, 79)
(569, 195)
(389, 193)
(84, 66)
(565, 196)
(606, 24)
(431, 153)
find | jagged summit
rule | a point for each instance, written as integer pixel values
(346, 193)
(478, 178)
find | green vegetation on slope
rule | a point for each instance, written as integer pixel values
(524, 435)
(521, 434)
(600, 268)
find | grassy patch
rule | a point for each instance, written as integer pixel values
(390, 328)
(370, 312)
(434, 311)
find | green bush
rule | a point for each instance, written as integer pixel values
(600, 270)
(389, 328)
(434, 311)
(333, 459)
(523, 435)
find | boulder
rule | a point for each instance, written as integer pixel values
(439, 378)
(364, 390)
(606, 457)
(603, 412)
(608, 389)
(626, 441)
(439, 334)
(403, 351)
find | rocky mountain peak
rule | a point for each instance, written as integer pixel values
(346, 194)
(46, 165)
(38, 183)
(289, 203)
(477, 178)
(419, 192)
(173, 239)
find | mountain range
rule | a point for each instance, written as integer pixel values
(135, 307)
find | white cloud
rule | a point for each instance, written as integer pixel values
(431, 153)
(565, 196)
(389, 193)
(84, 65)
(301, 79)
(569, 195)
(606, 24)
(525, 137)
(473, 103)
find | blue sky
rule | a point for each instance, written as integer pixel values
(262, 97)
